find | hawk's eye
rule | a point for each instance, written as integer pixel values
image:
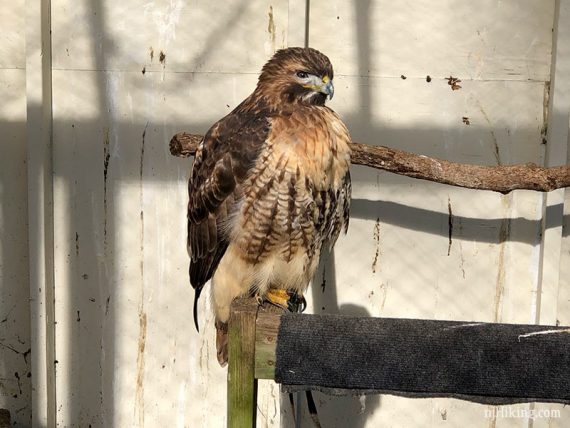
(302, 74)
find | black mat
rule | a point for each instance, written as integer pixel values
(487, 363)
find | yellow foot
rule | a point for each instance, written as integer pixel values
(278, 297)
(285, 299)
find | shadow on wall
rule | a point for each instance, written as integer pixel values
(15, 352)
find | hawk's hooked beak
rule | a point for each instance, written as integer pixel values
(327, 87)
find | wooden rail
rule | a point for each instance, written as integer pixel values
(489, 363)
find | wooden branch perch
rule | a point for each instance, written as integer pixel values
(501, 179)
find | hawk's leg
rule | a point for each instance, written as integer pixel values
(286, 299)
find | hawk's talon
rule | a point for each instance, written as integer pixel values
(297, 302)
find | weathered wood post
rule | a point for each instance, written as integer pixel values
(242, 385)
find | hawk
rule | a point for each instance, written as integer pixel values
(270, 186)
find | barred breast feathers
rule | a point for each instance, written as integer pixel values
(297, 192)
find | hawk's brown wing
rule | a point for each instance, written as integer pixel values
(228, 151)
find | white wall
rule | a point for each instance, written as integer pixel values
(14, 290)
(126, 350)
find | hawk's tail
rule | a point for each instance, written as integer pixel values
(197, 292)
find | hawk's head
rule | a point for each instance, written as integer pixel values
(297, 75)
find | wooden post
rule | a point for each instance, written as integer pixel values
(242, 385)
(267, 328)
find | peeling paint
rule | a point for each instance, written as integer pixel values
(165, 19)
(362, 402)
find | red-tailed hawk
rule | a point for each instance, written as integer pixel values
(270, 185)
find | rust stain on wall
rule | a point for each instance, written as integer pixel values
(462, 260)
(139, 395)
(106, 159)
(384, 289)
(377, 239)
(504, 233)
(271, 28)
(545, 104)
(453, 82)
(496, 151)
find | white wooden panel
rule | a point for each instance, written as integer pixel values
(563, 299)
(492, 39)
(13, 42)
(124, 301)
(402, 261)
(201, 35)
(15, 358)
(554, 285)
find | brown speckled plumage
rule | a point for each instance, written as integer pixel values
(270, 186)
